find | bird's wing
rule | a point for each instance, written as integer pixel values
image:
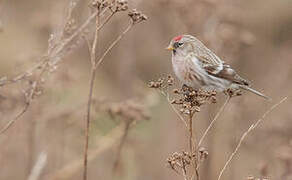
(222, 70)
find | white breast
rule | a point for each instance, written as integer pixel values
(181, 69)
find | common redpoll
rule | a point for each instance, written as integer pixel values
(198, 67)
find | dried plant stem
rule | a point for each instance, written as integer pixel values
(192, 148)
(184, 171)
(166, 95)
(106, 20)
(28, 100)
(115, 42)
(178, 114)
(12, 121)
(105, 143)
(191, 143)
(91, 86)
(92, 78)
(197, 171)
(119, 150)
(214, 120)
(43, 65)
(79, 30)
(252, 127)
(95, 65)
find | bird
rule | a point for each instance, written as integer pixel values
(198, 67)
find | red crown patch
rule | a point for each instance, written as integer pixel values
(177, 38)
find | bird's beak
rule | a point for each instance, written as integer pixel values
(169, 48)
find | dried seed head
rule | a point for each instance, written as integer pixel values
(129, 111)
(137, 16)
(191, 99)
(122, 5)
(99, 4)
(178, 161)
(154, 84)
(203, 153)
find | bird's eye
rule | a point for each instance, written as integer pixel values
(177, 44)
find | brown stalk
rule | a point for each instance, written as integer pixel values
(252, 127)
(94, 67)
(119, 150)
(191, 132)
(91, 85)
(191, 144)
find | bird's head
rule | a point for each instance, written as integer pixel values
(181, 44)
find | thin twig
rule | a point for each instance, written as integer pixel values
(24, 109)
(213, 121)
(166, 95)
(79, 30)
(28, 100)
(114, 43)
(252, 127)
(106, 20)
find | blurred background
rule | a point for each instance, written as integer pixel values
(255, 37)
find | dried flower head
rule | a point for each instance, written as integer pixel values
(119, 5)
(162, 83)
(179, 161)
(122, 5)
(191, 100)
(129, 111)
(99, 4)
(137, 16)
(203, 154)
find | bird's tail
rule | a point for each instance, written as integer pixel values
(254, 91)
